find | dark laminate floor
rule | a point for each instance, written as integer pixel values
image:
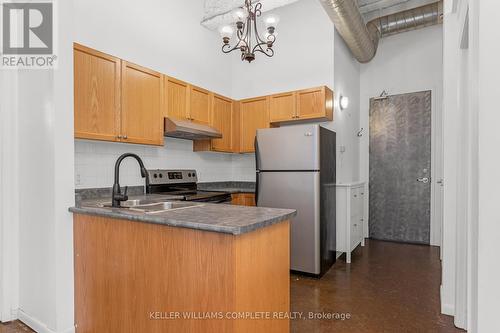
(389, 287)
(14, 327)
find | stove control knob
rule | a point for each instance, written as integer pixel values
(161, 175)
(155, 175)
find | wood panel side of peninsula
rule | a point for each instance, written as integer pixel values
(138, 277)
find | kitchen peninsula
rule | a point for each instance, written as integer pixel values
(143, 271)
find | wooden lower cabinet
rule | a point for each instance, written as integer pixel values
(243, 199)
(141, 277)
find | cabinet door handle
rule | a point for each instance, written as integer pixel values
(125, 137)
(118, 136)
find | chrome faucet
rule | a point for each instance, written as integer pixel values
(117, 197)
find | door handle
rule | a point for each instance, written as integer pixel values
(424, 180)
(257, 171)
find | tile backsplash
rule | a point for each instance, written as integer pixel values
(95, 160)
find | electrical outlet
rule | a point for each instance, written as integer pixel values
(342, 149)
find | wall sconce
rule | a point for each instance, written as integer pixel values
(343, 102)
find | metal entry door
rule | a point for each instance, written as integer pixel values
(400, 168)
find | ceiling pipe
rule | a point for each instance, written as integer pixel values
(363, 38)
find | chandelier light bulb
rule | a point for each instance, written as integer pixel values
(240, 14)
(226, 32)
(249, 41)
(271, 21)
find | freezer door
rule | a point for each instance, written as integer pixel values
(300, 191)
(288, 148)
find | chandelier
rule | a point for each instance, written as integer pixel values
(249, 41)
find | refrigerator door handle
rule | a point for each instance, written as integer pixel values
(257, 158)
(257, 181)
(257, 167)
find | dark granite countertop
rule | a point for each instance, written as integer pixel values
(231, 219)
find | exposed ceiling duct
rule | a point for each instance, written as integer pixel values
(363, 38)
(218, 12)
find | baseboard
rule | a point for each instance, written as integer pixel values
(38, 326)
(446, 308)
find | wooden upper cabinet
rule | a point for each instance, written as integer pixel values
(177, 98)
(97, 94)
(222, 120)
(187, 102)
(254, 115)
(282, 107)
(199, 105)
(142, 109)
(315, 103)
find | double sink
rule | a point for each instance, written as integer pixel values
(153, 206)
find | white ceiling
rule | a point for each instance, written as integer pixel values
(375, 8)
(217, 12)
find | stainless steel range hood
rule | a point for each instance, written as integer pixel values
(184, 129)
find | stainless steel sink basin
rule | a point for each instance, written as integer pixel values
(135, 202)
(159, 207)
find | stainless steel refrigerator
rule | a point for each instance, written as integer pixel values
(296, 169)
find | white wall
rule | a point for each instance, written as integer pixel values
(488, 275)
(9, 225)
(312, 55)
(346, 122)
(40, 189)
(453, 113)
(472, 71)
(165, 36)
(408, 62)
(95, 162)
(295, 66)
(303, 54)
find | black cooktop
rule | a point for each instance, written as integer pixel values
(201, 196)
(182, 182)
